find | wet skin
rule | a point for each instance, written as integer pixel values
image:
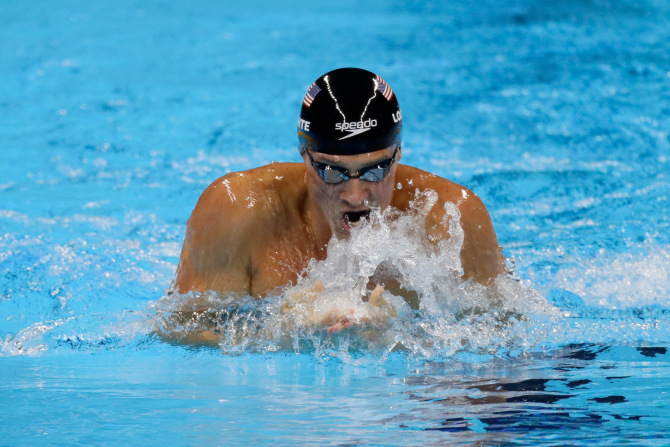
(254, 232)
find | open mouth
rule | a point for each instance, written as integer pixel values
(355, 218)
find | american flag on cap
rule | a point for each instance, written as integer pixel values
(384, 88)
(311, 94)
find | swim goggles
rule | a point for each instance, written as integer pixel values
(333, 174)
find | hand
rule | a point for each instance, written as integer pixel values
(377, 310)
(303, 297)
(303, 304)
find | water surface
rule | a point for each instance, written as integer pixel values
(116, 117)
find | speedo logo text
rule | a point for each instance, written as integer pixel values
(355, 127)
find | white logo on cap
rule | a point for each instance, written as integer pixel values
(355, 127)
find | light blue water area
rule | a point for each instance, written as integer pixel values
(115, 117)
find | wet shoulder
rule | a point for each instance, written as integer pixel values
(474, 217)
(411, 181)
(239, 205)
(257, 187)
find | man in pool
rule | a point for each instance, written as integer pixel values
(254, 232)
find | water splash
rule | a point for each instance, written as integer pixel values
(608, 299)
(446, 315)
(640, 277)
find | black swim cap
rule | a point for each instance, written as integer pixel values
(349, 111)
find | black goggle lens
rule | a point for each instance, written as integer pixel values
(335, 174)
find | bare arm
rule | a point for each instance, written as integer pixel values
(216, 252)
(215, 256)
(481, 256)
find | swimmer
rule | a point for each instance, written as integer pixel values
(254, 232)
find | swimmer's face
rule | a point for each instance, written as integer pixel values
(344, 205)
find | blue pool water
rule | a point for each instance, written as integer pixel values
(116, 116)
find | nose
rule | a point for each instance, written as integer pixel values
(354, 192)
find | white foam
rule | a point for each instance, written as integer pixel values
(453, 315)
(621, 280)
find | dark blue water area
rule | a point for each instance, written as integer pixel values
(585, 395)
(116, 116)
